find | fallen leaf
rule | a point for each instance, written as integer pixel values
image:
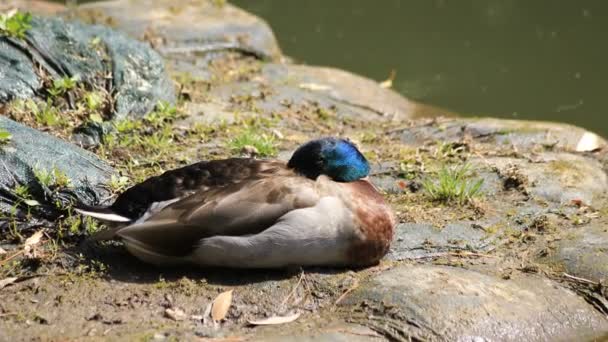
(34, 239)
(2, 251)
(314, 86)
(588, 142)
(274, 320)
(7, 281)
(388, 82)
(175, 314)
(221, 304)
(31, 203)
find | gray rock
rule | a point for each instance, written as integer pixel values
(338, 332)
(281, 87)
(446, 303)
(514, 135)
(558, 178)
(344, 87)
(64, 49)
(583, 252)
(183, 27)
(30, 150)
(415, 240)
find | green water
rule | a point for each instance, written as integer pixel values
(526, 59)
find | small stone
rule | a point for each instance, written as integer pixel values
(175, 314)
(159, 337)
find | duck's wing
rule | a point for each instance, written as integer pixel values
(156, 192)
(240, 209)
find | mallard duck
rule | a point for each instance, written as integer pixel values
(317, 209)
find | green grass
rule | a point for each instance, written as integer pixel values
(265, 145)
(54, 178)
(5, 136)
(15, 24)
(62, 85)
(163, 113)
(48, 115)
(93, 100)
(118, 183)
(453, 185)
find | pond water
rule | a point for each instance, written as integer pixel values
(542, 59)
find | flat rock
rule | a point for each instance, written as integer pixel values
(446, 303)
(558, 178)
(420, 240)
(64, 49)
(336, 332)
(518, 135)
(183, 27)
(30, 150)
(583, 252)
(346, 87)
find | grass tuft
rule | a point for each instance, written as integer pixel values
(264, 145)
(453, 185)
(15, 24)
(5, 136)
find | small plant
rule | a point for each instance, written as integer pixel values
(263, 144)
(47, 115)
(127, 126)
(15, 24)
(93, 100)
(62, 85)
(157, 141)
(52, 179)
(22, 191)
(118, 184)
(163, 113)
(453, 185)
(5, 136)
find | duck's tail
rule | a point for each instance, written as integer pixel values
(108, 216)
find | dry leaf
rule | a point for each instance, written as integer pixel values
(388, 82)
(314, 86)
(2, 251)
(7, 281)
(34, 239)
(175, 314)
(276, 320)
(221, 304)
(588, 142)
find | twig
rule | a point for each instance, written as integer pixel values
(14, 255)
(583, 280)
(349, 290)
(294, 289)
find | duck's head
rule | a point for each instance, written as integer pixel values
(339, 159)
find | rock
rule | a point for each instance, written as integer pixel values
(286, 88)
(582, 252)
(30, 151)
(437, 303)
(336, 332)
(558, 178)
(420, 240)
(183, 27)
(64, 49)
(345, 87)
(515, 135)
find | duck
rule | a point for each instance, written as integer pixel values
(317, 209)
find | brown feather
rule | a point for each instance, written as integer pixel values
(241, 209)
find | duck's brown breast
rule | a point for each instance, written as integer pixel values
(375, 222)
